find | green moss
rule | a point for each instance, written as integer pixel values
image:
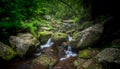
(7, 52)
(59, 37)
(76, 63)
(84, 54)
(45, 60)
(44, 36)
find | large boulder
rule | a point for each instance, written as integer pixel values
(6, 52)
(109, 55)
(24, 44)
(87, 37)
(109, 58)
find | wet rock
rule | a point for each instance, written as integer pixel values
(24, 44)
(109, 55)
(6, 52)
(65, 64)
(91, 64)
(46, 60)
(88, 53)
(44, 36)
(79, 61)
(109, 58)
(87, 37)
(61, 52)
(59, 37)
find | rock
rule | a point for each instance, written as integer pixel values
(91, 64)
(109, 55)
(44, 36)
(24, 44)
(87, 37)
(23, 64)
(51, 51)
(61, 52)
(79, 61)
(6, 52)
(65, 64)
(109, 58)
(87, 53)
(45, 60)
(59, 37)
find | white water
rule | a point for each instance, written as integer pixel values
(48, 44)
(69, 38)
(69, 52)
(37, 54)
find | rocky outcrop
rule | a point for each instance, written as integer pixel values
(6, 52)
(87, 37)
(24, 44)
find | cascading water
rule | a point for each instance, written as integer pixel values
(48, 44)
(69, 52)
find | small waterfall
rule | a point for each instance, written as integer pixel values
(69, 38)
(69, 52)
(49, 41)
(48, 44)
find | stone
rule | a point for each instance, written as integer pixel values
(87, 37)
(24, 44)
(6, 52)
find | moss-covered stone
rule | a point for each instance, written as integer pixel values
(25, 44)
(46, 60)
(59, 37)
(44, 36)
(88, 53)
(6, 52)
(84, 54)
(79, 61)
(91, 64)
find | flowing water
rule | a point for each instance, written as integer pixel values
(69, 52)
(48, 44)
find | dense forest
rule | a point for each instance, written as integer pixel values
(59, 34)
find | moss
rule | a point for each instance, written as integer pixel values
(45, 60)
(7, 52)
(44, 36)
(59, 37)
(84, 54)
(76, 63)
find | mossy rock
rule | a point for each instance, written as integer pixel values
(88, 53)
(6, 52)
(46, 60)
(92, 64)
(44, 36)
(59, 37)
